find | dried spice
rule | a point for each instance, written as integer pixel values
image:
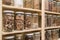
(19, 20)
(28, 20)
(35, 20)
(8, 20)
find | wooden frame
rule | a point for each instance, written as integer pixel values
(42, 12)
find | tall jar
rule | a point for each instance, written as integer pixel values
(29, 36)
(35, 20)
(37, 36)
(9, 38)
(8, 20)
(28, 20)
(19, 20)
(18, 3)
(58, 6)
(28, 3)
(8, 2)
(19, 37)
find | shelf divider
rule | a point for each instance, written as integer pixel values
(18, 8)
(0, 19)
(52, 27)
(49, 12)
(43, 21)
(22, 31)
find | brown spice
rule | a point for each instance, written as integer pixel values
(19, 20)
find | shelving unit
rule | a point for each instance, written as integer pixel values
(42, 12)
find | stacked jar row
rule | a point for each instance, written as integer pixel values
(19, 20)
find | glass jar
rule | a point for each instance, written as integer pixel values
(28, 3)
(58, 6)
(37, 36)
(19, 37)
(8, 20)
(29, 36)
(57, 20)
(18, 3)
(9, 38)
(35, 20)
(37, 4)
(28, 20)
(8, 2)
(19, 20)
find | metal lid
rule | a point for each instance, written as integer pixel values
(28, 13)
(35, 13)
(37, 32)
(8, 11)
(19, 35)
(20, 12)
(30, 34)
(9, 37)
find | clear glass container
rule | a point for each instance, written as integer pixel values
(29, 36)
(35, 20)
(8, 20)
(19, 37)
(28, 20)
(37, 36)
(19, 20)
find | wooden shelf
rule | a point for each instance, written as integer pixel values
(23, 31)
(18, 8)
(49, 12)
(53, 27)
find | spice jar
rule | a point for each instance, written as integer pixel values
(9, 38)
(29, 36)
(18, 3)
(8, 21)
(19, 37)
(8, 2)
(58, 6)
(37, 36)
(28, 20)
(35, 20)
(28, 3)
(57, 20)
(19, 20)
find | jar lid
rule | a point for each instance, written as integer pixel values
(9, 37)
(20, 12)
(19, 35)
(9, 14)
(30, 34)
(8, 11)
(37, 32)
(28, 13)
(35, 13)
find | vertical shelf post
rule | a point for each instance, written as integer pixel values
(0, 19)
(43, 20)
